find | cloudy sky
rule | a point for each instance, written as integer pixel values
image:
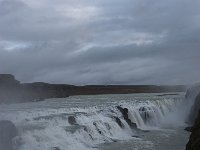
(101, 41)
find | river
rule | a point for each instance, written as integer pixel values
(45, 126)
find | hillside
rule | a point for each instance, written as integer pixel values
(12, 90)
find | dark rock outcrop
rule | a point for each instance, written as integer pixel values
(55, 148)
(99, 131)
(194, 141)
(193, 95)
(7, 132)
(72, 120)
(118, 121)
(124, 112)
(189, 129)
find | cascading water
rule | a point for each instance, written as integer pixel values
(84, 122)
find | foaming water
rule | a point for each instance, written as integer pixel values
(45, 126)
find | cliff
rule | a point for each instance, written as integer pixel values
(8, 80)
(194, 141)
(12, 90)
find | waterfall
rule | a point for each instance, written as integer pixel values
(151, 114)
(66, 127)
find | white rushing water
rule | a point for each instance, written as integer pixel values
(95, 122)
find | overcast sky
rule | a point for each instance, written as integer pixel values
(101, 41)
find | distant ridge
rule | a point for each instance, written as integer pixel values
(12, 91)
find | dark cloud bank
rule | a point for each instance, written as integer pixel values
(101, 42)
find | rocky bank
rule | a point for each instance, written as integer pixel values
(194, 118)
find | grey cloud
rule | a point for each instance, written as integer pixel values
(101, 42)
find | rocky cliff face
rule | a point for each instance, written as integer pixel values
(12, 91)
(194, 141)
(8, 85)
(194, 119)
(8, 80)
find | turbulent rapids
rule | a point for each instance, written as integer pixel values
(86, 122)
